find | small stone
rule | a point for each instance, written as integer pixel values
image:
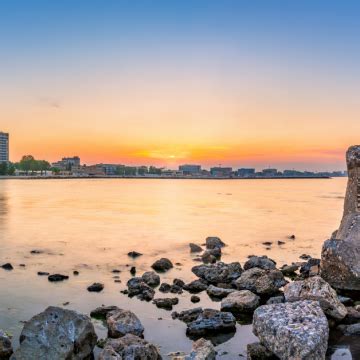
(133, 270)
(195, 286)
(202, 350)
(262, 262)
(5, 346)
(195, 248)
(134, 254)
(137, 287)
(213, 242)
(57, 277)
(162, 265)
(36, 252)
(178, 282)
(7, 266)
(75, 272)
(116, 271)
(289, 270)
(276, 300)
(292, 237)
(194, 299)
(218, 273)
(280, 242)
(151, 278)
(239, 302)
(187, 316)
(95, 287)
(165, 287)
(166, 303)
(43, 273)
(267, 243)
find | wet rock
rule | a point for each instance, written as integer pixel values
(211, 321)
(293, 331)
(57, 334)
(267, 243)
(261, 282)
(175, 289)
(165, 288)
(194, 299)
(311, 268)
(289, 270)
(280, 242)
(5, 346)
(22, 265)
(166, 303)
(210, 256)
(292, 237)
(116, 271)
(43, 273)
(305, 257)
(195, 286)
(238, 302)
(276, 300)
(162, 265)
(317, 289)
(218, 273)
(137, 287)
(261, 262)
(213, 242)
(350, 330)
(151, 278)
(202, 350)
(187, 316)
(57, 277)
(7, 266)
(75, 272)
(217, 292)
(36, 252)
(95, 287)
(133, 270)
(102, 311)
(134, 254)
(121, 322)
(256, 351)
(129, 347)
(195, 248)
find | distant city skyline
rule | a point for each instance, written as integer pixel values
(237, 83)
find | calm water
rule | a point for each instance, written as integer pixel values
(90, 226)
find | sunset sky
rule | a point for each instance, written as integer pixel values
(233, 82)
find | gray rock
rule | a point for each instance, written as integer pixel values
(350, 330)
(56, 334)
(261, 262)
(256, 351)
(165, 288)
(276, 300)
(151, 278)
(289, 270)
(95, 287)
(5, 346)
(210, 256)
(188, 316)
(195, 286)
(218, 273)
(122, 322)
(213, 242)
(102, 311)
(129, 347)
(340, 257)
(166, 303)
(211, 321)
(137, 287)
(195, 248)
(293, 331)
(310, 268)
(217, 292)
(261, 282)
(243, 301)
(317, 289)
(162, 265)
(202, 350)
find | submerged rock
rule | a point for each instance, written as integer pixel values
(243, 301)
(162, 265)
(195, 248)
(211, 321)
(261, 262)
(151, 278)
(340, 257)
(129, 347)
(57, 277)
(5, 346)
(137, 287)
(213, 242)
(317, 289)
(121, 322)
(218, 273)
(293, 331)
(56, 334)
(202, 350)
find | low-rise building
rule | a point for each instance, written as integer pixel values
(67, 163)
(269, 172)
(190, 169)
(221, 171)
(246, 172)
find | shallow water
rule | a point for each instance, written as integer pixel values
(90, 226)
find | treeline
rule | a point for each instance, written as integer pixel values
(27, 164)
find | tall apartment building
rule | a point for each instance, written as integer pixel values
(4, 147)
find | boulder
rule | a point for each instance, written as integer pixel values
(243, 301)
(137, 287)
(213, 242)
(218, 273)
(195, 248)
(256, 351)
(317, 289)
(166, 303)
(121, 322)
(293, 331)
(56, 334)
(261, 282)
(211, 321)
(129, 347)
(151, 278)
(340, 257)
(102, 311)
(5, 346)
(217, 292)
(162, 265)
(202, 350)
(261, 262)
(195, 286)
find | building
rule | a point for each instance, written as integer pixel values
(246, 172)
(190, 169)
(270, 172)
(91, 170)
(67, 163)
(221, 171)
(4, 147)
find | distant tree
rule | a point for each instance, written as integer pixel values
(55, 170)
(3, 168)
(11, 169)
(154, 170)
(29, 163)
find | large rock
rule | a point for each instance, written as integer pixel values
(317, 289)
(293, 331)
(211, 321)
(129, 347)
(262, 262)
(162, 265)
(340, 258)
(213, 242)
(121, 322)
(137, 287)
(57, 334)
(243, 301)
(261, 282)
(5, 346)
(218, 273)
(202, 350)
